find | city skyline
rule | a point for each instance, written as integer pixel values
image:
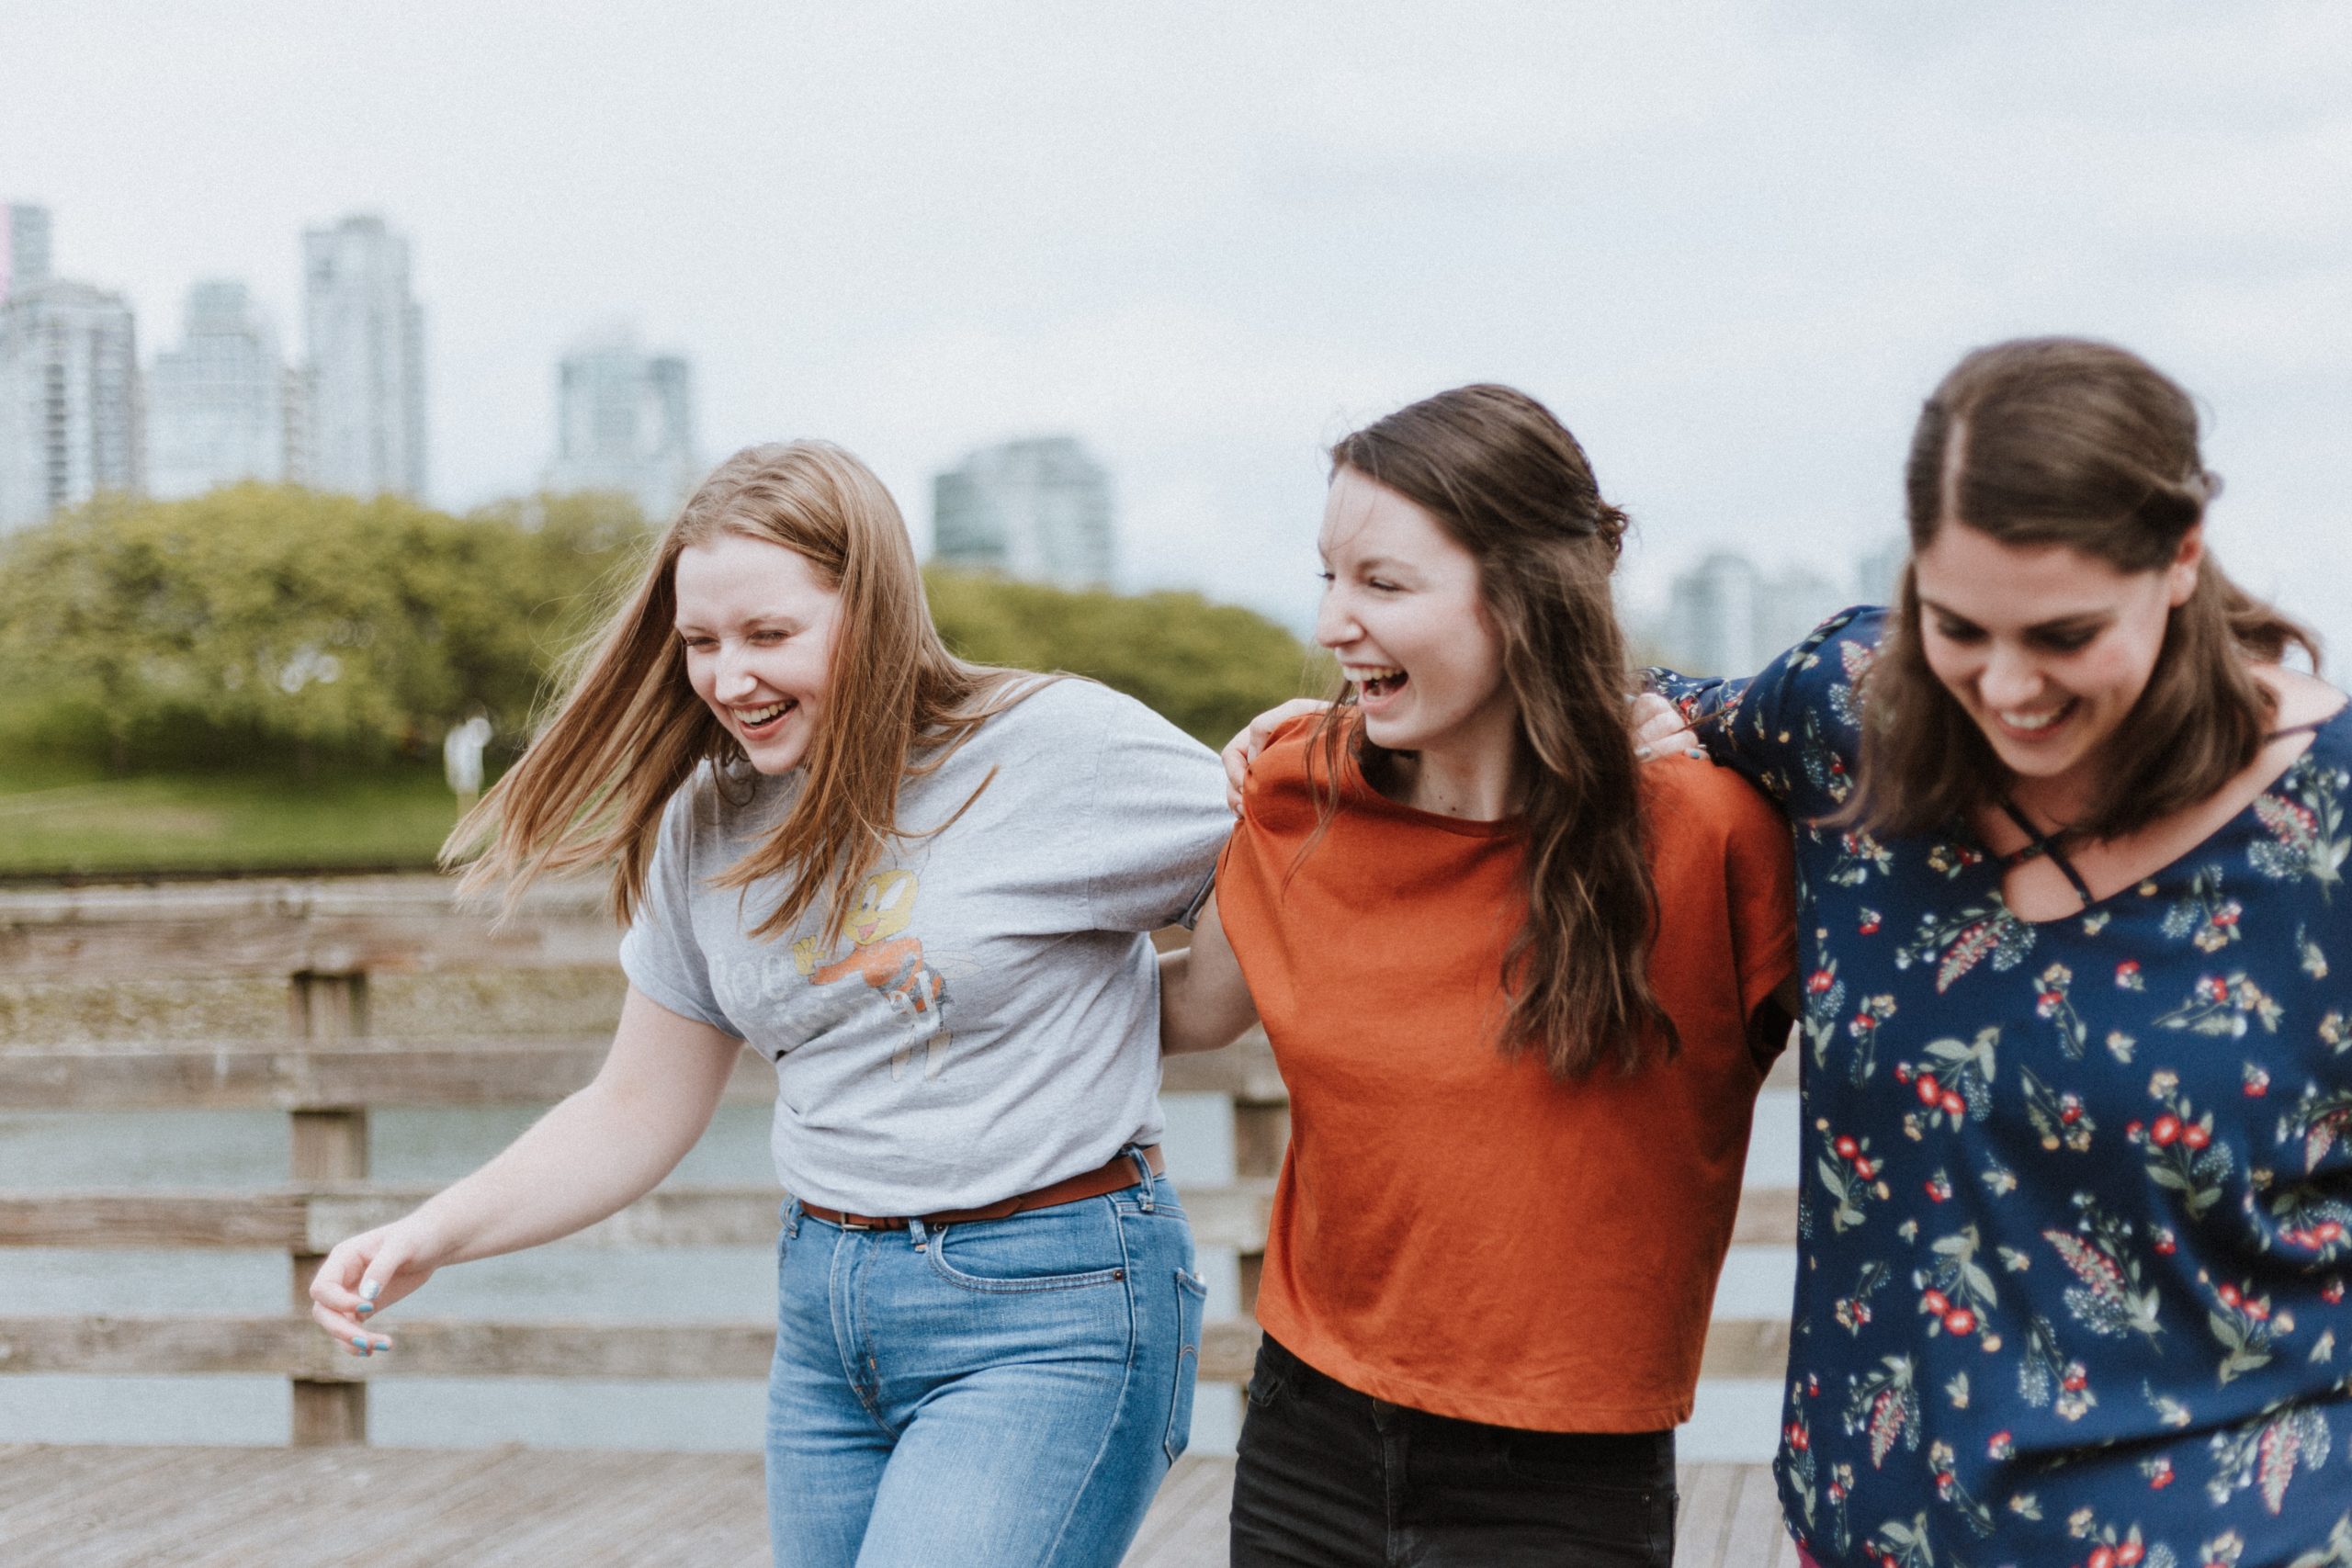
(1733, 245)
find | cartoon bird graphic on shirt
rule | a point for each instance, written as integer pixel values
(889, 962)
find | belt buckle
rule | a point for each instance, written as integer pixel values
(852, 1222)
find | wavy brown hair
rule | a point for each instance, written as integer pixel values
(628, 729)
(1509, 483)
(2065, 441)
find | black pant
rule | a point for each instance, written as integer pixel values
(1330, 1478)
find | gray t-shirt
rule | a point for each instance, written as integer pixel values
(989, 1021)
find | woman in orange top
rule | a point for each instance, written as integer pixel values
(1521, 988)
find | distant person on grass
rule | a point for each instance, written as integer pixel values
(922, 891)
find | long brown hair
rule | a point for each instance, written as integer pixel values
(2063, 440)
(1508, 482)
(629, 729)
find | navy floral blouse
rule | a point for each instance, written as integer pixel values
(2076, 1215)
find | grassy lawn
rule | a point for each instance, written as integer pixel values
(58, 817)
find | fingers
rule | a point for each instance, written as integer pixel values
(1659, 730)
(1655, 719)
(352, 1283)
(1243, 748)
(1646, 708)
(355, 1337)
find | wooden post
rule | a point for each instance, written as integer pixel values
(329, 1144)
(1260, 1135)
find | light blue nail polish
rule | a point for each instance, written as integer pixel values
(367, 1307)
(357, 1343)
(382, 1345)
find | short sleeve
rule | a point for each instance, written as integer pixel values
(1759, 877)
(1794, 730)
(1156, 822)
(659, 954)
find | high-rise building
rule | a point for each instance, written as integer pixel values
(24, 247)
(1723, 618)
(301, 462)
(1039, 510)
(1791, 605)
(216, 405)
(1711, 617)
(69, 385)
(366, 336)
(625, 420)
(1879, 574)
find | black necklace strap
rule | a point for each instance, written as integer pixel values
(2037, 844)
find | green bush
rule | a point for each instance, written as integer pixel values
(1208, 668)
(261, 622)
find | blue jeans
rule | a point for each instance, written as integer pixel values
(1000, 1392)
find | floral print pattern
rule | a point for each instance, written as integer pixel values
(2076, 1224)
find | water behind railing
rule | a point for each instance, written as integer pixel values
(1736, 1419)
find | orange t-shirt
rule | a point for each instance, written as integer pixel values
(1454, 1230)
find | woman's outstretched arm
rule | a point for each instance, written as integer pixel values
(595, 1154)
(1204, 1003)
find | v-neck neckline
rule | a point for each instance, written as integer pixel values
(1994, 859)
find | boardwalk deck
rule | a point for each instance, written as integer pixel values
(198, 1508)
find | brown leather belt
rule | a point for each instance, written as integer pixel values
(1118, 1172)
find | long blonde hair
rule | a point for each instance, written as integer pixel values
(628, 731)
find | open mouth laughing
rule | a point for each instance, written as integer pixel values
(760, 722)
(2034, 724)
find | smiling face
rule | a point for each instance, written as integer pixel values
(757, 621)
(1404, 615)
(2046, 647)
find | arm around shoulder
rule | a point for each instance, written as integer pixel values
(1204, 1002)
(1759, 876)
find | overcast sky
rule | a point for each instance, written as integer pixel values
(1733, 245)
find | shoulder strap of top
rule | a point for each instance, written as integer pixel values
(2311, 727)
(2038, 843)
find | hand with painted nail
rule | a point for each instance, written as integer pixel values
(369, 1273)
(1243, 748)
(1659, 730)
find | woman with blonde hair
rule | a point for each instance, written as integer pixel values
(923, 889)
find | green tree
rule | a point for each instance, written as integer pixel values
(262, 620)
(289, 618)
(1208, 668)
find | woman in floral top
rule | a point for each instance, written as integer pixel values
(2076, 1216)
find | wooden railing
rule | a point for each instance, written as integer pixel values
(335, 948)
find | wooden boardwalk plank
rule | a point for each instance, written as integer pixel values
(1753, 1537)
(1187, 1524)
(1708, 1493)
(193, 1507)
